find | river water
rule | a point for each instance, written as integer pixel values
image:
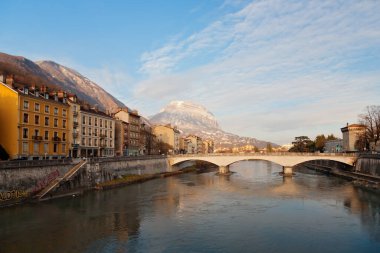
(253, 210)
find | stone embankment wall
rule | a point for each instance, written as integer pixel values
(368, 164)
(18, 183)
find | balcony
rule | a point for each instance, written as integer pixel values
(37, 138)
(56, 139)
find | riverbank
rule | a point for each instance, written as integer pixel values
(366, 181)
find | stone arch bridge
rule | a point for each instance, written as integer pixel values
(286, 160)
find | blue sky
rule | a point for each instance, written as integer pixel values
(267, 69)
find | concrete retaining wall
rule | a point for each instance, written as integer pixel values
(17, 184)
(368, 165)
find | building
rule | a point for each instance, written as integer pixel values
(121, 138)
(34, 123)
(74, 117)
(351, 134)
(334, 146)
(208, 146)
(149, 145)
(97, 133)
(168, 138)
(194, 144)
(132, 119)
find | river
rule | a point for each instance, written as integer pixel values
(253, 210)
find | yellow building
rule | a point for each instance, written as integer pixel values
(33, 123)
(168, 135)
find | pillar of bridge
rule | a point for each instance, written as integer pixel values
(287, 171)
(224, 170)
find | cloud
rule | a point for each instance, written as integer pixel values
(274, 69)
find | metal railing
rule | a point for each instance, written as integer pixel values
(32, 163)
(268, 154)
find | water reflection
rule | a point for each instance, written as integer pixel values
(255, 209)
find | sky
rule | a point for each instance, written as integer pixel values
(267, 69)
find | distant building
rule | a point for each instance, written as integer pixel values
(34, 123)
(168, 135)
(194, 144)
(132, 119)
(208, 146)
(334, 146)
(351, 134)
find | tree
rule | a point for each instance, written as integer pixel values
(269, 147)
(320, 142)
(302, 144)
(371, 119)
(164, 148)
(331, 137)
(256, 149)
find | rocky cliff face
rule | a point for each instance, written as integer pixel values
(191, 118)
(56, 76)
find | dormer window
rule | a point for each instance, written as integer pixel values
(37, 93)
(55, 98)
(46, 96)
(26, 91)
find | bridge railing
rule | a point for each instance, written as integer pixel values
(268, 154)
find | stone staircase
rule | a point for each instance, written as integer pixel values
(58, 180)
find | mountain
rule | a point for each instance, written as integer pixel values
(55, 77)
(195, 119)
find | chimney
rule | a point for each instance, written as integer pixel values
(9, 80)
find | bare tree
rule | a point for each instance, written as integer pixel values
(371, 119)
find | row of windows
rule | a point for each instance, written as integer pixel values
(37, 120)
(95, 142)
(88, 131)
(134, 135)
(36, 135)
(46, 150)
(89, 120)
(47, 108)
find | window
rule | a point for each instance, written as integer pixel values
(105, 123)
(64, 123)
(101, 122)
(63, 148)
(55, 111)
(64, 136)
(36, 119)
(83, 130)
(36, 132)
(96, 142)
(89, 121)
(83, 120)
(110, 134)
(55, 147)
(25, 133)
(64, 112)
(46, 121)
(55, 122)
(96, 132)
(83, 141)
(47, 109)
(25, 148)
(89, 131)
(46, 135)
(55, 134)
(110, 143)
(26, 118)
(36, 148)
(89, 142)
(26, 105)
(46, 148)
(37, 107)
(96, 121)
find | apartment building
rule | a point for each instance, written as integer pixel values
(34, 123)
